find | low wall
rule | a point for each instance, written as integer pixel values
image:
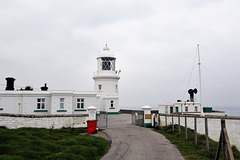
(128, 111)
(214, 127)
(13, 121)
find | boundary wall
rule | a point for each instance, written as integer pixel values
(14, 121)
(214, 125)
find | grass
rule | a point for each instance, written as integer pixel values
(50, 144)
(188, 149)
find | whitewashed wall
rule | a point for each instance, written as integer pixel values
(214, 127)
(89, 100)
(13, 102)
(13, 121)
(29, 104)
(25, 102)
(108, 104)
(181, 107)
(56, 104)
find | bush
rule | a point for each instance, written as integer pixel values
(39, 143)
(188, 148)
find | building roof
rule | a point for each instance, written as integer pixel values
(106, 53)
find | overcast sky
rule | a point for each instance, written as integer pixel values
(155, 43)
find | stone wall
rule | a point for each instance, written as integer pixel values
(13, 121)
(214, 127)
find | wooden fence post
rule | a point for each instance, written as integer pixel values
(195, 130)
(172, 124)
(206, 134)
(159, 121)
(165, 120)
(226, 143)
(179, 127)
(186, 135)
(224, 140)
(219, 146)
(154, 118)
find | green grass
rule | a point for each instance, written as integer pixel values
(50, 144)
(188, 149)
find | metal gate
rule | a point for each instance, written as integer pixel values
(102, 118)
(138, 118)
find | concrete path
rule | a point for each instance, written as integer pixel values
(130, 142)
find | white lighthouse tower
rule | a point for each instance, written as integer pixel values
(106, 81)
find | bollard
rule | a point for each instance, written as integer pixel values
(147, 116)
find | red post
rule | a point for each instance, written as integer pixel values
(91, 126)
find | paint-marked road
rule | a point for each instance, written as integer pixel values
(130, 142)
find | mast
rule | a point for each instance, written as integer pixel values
(200, 81)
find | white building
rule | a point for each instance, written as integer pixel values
(106, 81)
(183, 107)
(105, 97)
(188, 107)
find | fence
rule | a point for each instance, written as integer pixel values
(210, 126)
(138, 118)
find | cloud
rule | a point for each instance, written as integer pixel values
(154, 42)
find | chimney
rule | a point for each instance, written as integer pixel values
(44, 88)
(192, 92)
(10, 84)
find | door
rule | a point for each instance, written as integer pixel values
(177, 109)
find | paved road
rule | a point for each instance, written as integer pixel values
(130, 142)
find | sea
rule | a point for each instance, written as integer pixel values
(229, 110)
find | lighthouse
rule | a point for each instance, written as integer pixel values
(106, 81)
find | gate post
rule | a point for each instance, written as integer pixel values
(92, 122)
(147, 116)
(92, 112)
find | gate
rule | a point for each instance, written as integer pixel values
(102, 118)
(138, 118)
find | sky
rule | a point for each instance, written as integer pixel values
(155, 43)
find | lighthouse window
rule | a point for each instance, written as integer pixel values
(41, 103)
(186, 109)
(108, 63)
(61, 103)
(80, 103)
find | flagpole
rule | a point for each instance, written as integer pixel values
(200, 81)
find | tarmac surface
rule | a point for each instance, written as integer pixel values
(131, 142)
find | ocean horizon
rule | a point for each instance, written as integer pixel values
(229, 110)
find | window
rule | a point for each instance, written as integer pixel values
(108, 63)
(116, 87)
(171, 109)
(41, 103)
(111, 103)
(80, 103)
(61, 103)
(166, 109)
(196, 108)
(186, 109)
(100, 87)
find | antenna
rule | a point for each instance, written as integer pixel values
(200, 81)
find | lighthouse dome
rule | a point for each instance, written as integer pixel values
(106, 53)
